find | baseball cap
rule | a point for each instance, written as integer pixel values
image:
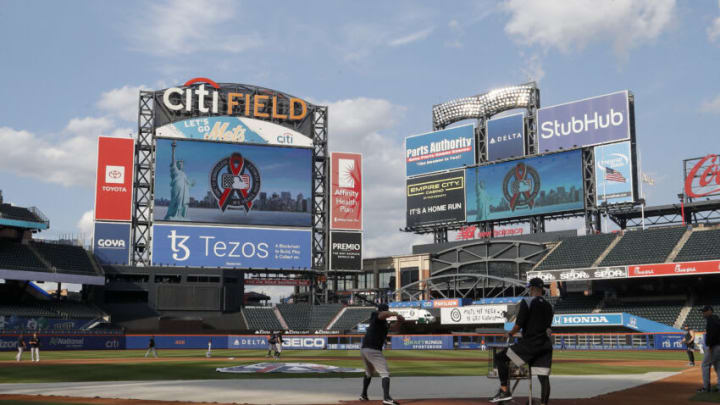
(383, 307)
(536, 282)
(706, 308)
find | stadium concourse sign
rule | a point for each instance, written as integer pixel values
(613, 173)
(589, 122)
(114, 179)
(473, 314)
(436, 198)
(600, 273)
(346, 191)
(506, 137)
(345, 250)
(450, 148)
(675, 269)
(111, 243)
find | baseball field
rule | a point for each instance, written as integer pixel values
(419, 377)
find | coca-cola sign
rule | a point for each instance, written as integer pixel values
(703, 176)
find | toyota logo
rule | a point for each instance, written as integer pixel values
(115, 174)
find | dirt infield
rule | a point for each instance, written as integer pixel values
(675, 390)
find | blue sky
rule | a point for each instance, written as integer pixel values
(71, 71)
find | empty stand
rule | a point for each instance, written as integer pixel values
(695, 319)
(66, 258)
(665, 311)
(297, 316)
(702, 245)
(261, 318)
(640, 247)
(19, 213)
(16, 256)
(575, 304)
(322, 315)
(351, 317)
(577, 252)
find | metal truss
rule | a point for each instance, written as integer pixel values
(592, 215)
(320, 197)
(464, 285)
(696, 213)
(143, 181)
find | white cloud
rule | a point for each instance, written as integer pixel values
(573, 24)
(410, 38)
(189, 26)
(121, 103)
(532, 70)
(711, 106)
(86, 226)
(713, 30)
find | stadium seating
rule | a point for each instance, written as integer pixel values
(18, 213)
(26, 310)
(53, 309)
(577, 252)
(297, 316)
(666, 311)
(352, 317)
(639, 247)
(16, 256)
(322, 315)
(702, 245)
(66, 258)
(575, 304)
(261, 318)
(695, 319)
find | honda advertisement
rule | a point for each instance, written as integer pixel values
(588, 320)
(204, 246)
(345, 250)
(506, 137)
(235, 130)
(226, 183)
(593, 121)
(613, 173)
(473, 314)
(346, 191)
(111, 243)
(519, 188)
(436, 199)
(114, 179)
(601, 273)
(675, 269)
(441, 150)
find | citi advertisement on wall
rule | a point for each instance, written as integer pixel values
(506, 137)
(235, 130)
(345, 250)
(226, 183)
(114, 179)
(440, 150)
(346, 191)
(436, 198)
(593, 121)
(532, 186)
(111, 243)
(204, 246)
(613, 173)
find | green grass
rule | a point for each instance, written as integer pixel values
(402, 363)
(706, 397)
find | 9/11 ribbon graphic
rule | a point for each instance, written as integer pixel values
(236, 167)
(521, 172)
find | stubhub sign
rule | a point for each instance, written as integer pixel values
(197, 246)
(593, 121)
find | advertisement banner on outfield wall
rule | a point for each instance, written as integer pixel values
(600, 273)
(670, 341)
(235, 130)
(346, 191)
(114, 179)
(434, 199)
(506, 137)
(473, 314)
(236, 184)
(204, 246)
(421, 342)
(111, 243)
(345, 250)
(519, 188)
(68, 342)
(440, 150)
(247, 342)
(675, 269)
(613, 173)
(177, 341)
(593, 121)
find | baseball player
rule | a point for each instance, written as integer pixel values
(534, 318)
(711, 357)
(20, 346)
(371, 352)
(689, 341)
(151, 347)
(275, 345)
(209, 352)
(34, 348)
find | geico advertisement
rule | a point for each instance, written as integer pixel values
(436, 199)
(196, 246)
(473, 314)
(111, 243)
(304, 342)
(236, 130)
(587, 122)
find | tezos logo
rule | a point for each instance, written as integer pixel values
(455, 315)
(521, 185)
(111, 243)
(235, 182)
(177, 243)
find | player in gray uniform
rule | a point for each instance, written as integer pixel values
(20, 346)
(371, 352)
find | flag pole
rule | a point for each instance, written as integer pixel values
(642, 196)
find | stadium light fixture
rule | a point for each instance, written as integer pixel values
(483, 105)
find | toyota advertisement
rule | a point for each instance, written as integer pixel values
(441, 150)
(345, 250)
(593, 121)
(346, 191)
(111, 243)
(227, 183)
(506, 137)
(614, 173)
(437, 198)
(203, 246)
(114, 179)
(519, 188)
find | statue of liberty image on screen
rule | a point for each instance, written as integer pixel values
(179, 190)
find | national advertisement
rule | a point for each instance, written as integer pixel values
(422, 342)
(235, 130)
(675, 269)
(436, 198)
(613, 173)
(532, 186)
(593, 121)
(68, 342)
(473, 314)
(111, 243)
(259, 248)
(238, 184)
(346, 191)
(114, 179)
(345, 250)
(505, 137)
(440, 150)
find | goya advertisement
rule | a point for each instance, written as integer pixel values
(436, 199)
(613, 173)
(440, 150)
(235, 184)
(518, 188)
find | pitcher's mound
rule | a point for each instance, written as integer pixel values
(288, 368)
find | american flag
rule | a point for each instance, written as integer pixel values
(614, 175)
